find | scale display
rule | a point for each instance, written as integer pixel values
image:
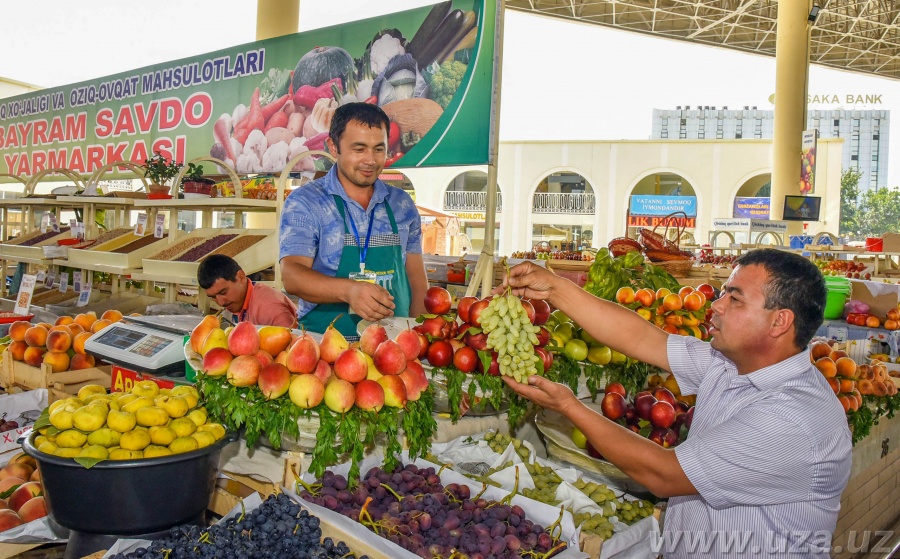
(155, 348)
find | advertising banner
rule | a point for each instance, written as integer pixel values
(661, 221)
(755, 207)
(259, 105)
(808, 162)
(663, 205)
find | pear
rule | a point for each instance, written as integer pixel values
(333, 343)
(154, 451)
(163, 435)
(71, 438)
(94, 451)
(243, 340)
(146, 388)
(90, 418)
(136, 439)
(303, 355)
(184, 444)
(174, 406)
(121, 421)
(372, 372)
(199, 333)
(151, 416)
(215, 338)
(182, 427)
(105, 437)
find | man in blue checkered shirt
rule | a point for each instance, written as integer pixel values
(768, 453)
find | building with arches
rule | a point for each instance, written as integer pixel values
(579, 192)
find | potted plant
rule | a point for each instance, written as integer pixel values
(160, 170)
(194, 182)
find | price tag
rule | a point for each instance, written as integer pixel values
(45, 222)
(26, 288)
(51, 277)
(80, 227)
(160, 227)
(141, 226)
(40, 276)
(73, 228)
(838, 333)
(76, 281)
(63, 283)
(54, 225)
(84, 297)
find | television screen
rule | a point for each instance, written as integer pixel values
(802, 208)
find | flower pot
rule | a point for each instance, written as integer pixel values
(155, 188)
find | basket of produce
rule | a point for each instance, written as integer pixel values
(623, 245)
(665, 253)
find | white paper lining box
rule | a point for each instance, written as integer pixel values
(36, 251)
(103, 255)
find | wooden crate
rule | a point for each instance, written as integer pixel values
(16, 374)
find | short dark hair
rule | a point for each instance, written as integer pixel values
(214, 267)
(363, 113)
(794, 283)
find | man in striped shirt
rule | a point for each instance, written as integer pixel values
(768, 454)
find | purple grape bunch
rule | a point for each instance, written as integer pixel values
(412, 508)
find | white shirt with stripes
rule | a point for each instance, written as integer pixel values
(768, 452)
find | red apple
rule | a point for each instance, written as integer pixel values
(541, 311)
(465, 359)
(613, 406)
(434, 327)
(662, 414)
(462, 308)
(546, 357)
(617, 388)
(543, 336)
(663, 395)
(477, 342)
(440, 353)
(642, 405)
(437, 300)
(476, 309)
(665, 438)
(494, 369)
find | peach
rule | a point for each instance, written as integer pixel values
(16, 469)
(274, 380)
(672, 302)
(33, 509)
(58, 361)
(47, 326)
(59, 341)
(35, 475)
(372, 337)
(826, 366)
(36, 336)
(99, 325)
(243, 340)
(4, 505)
(846, 367)
(23, 494)
(865, 386)
(63, 320)
(111, 315)
(881, 388)
(17, 330)
(845, 402)
(274, 339)
(369, 395)
(81, 361)
(408, 340)
(394, 391)
(78, 341)
(694, 301)
(339, 395)
(303, 355)
(9, 519)
(834, 384)
(837, 354)
(8, 483)
(645, 297)
(85, 320)
(243, 370)
(625, 296)
(847, 385)
(819, 350)
(216, 361)
(351, 365)
(34, 356)
(17, 350)
(389, 358)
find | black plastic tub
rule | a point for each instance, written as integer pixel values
(126, 497)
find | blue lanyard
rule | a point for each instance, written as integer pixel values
(363, 249)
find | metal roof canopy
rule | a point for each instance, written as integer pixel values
(856, 35)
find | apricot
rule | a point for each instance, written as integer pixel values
(112, 315)
(17, 350)
(819, 350)
(845, 402)
(837, 354)
(847, 385)
(834, 384)
(854, 403)
(63, 320)
(34, 356)
(100, 325)
(75, 329)
(58, 361)
(17, 330)
(59, 341)
(846, 367)
(78, 342)
(36, 336)
(81, 361)
(85, 320)
(826, 366)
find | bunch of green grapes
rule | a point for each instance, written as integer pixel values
(597, 524)
(512, 335)
(498, 442)
(545, 483)
(628, 512)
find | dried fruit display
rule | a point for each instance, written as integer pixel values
(43, 237)
(205, 248)
(177, 248)
(140, 243)
(239, 245)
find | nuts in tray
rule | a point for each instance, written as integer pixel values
(239, 245)
(205, 248)
(110, 235)
(43, 237)
(140, 243)
(177, 248)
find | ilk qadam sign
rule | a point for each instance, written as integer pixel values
(259, 105)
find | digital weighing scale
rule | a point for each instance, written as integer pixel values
(145, 344)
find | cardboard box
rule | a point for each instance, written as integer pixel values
(879, 296)
(891, 242)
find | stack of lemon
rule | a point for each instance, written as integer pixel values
(146, 422)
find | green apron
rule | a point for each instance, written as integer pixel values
(386, 261)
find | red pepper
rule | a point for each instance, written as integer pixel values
(393, 159)
(393, 135)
